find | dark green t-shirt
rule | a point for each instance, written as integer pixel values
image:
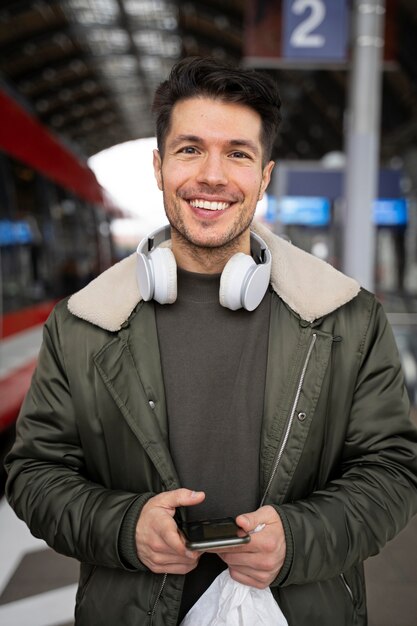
(214, 367)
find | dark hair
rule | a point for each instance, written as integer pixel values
(195, 76)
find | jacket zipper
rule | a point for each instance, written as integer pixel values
(153, 610)
(290, 421)
(278, 459)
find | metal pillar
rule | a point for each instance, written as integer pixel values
(362, 139)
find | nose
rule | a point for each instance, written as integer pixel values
(213, 171)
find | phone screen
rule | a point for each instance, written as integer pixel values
(211, 534)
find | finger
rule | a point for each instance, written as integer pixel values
(175, 543)
(179, 497)
(158, 556)
(250, 580)
(244, 548)
(172, 558)
(249, 521)
(254, 520)
(169, 563)
(251, 562)
(174, 568)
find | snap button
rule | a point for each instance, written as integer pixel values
(302, 416)
(152, 404)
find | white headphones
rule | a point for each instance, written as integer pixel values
(243, 282)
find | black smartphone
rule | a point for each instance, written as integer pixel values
(212, 534)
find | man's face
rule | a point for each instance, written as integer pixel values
(211, 174)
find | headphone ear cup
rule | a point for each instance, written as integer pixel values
(233, 279)
(255, 286)
(164, 269)
(144, 276)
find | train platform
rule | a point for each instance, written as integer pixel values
(38, 586)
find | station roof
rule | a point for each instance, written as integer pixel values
(88, 70)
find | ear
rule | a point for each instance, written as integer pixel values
(266, 177)
(157, 168)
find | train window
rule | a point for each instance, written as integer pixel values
(18, 236)
(76, 239)
(52, 242)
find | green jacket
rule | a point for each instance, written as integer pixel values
(338, 450)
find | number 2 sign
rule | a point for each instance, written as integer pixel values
(315, 29)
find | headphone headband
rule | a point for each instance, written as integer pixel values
(259, 249)
(154, 239)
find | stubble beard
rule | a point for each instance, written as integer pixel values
(210, 251)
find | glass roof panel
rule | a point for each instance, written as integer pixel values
(119, 65)
(93, 11)
(104, 40)
(158, 43)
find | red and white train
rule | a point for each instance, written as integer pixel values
(54, 237)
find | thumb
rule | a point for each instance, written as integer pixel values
(258, 519)
(181, 497)
(249, 521)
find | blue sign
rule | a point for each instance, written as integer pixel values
(316, 211)
(13, 233)
(299, 210)
(390, 212)
(315, 29)
(271, 213)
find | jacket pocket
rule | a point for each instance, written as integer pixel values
(348, 588)
(321, 603)
(353, 583)
(86, 574)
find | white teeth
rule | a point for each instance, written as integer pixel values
(210, 206)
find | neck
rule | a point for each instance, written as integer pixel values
(194, 258)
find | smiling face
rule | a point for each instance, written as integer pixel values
(212, 177)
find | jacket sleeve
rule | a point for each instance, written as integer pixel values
(374, 493)
(47, 483)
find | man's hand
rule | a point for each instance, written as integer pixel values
(258, 562)
(158, 542)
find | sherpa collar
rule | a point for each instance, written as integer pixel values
(311, 287)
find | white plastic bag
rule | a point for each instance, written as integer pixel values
(229, 602)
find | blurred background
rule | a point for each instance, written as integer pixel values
(77, 191)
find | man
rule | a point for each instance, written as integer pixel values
(207, 394)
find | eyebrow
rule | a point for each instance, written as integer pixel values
(245, 143)
(234, 143)
(185, 138)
